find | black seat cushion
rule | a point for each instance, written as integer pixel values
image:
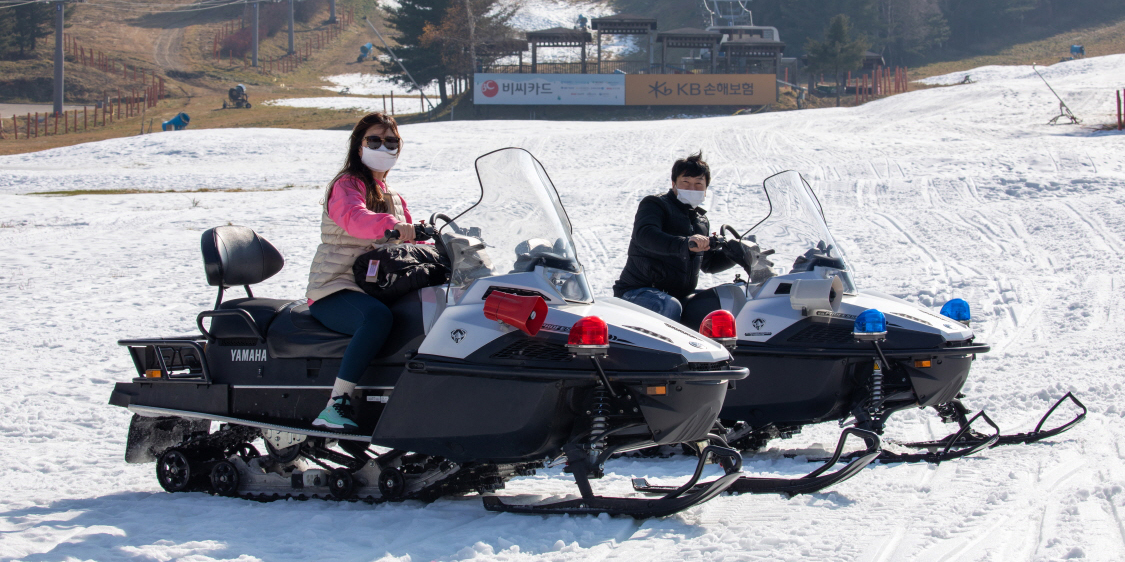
(296, 334)
(263, 311)
(236, 255)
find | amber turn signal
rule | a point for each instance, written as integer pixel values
(657, 390)
(919, 363)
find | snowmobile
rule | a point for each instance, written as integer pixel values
(510, 366)
(820, 349)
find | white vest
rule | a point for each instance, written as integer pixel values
(331, 269)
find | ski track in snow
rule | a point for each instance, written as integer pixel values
(948, 192)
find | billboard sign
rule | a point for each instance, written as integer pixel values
(700, 89)
(549, 89)
(622, 89)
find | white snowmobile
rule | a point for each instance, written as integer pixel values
(820, 349)
(510, 366)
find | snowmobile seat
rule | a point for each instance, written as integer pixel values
(261, 310)
(236, 255)
(294, 333)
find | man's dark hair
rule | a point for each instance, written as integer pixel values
(693, 166)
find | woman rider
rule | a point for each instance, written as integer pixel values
(358, 209)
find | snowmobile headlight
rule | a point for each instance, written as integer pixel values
(870, 325)
(957, 309)
(720, 326)
(589, 336)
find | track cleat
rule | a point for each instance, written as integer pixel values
(337, 416)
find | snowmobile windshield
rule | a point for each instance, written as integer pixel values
(796, 231)
(517, 226)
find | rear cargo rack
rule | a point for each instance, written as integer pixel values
(177, 358)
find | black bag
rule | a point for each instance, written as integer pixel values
(403, 268)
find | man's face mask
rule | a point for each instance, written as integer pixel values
(691, 190)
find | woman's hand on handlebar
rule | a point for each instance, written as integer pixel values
(405, 231)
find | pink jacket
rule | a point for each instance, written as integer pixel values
(347, 207)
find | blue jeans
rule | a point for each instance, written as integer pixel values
(363, 316)
(655, 300)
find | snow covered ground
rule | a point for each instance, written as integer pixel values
(959, 191)
(401, 104)
(359, 84)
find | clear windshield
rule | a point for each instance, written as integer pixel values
(518, 225)
(797, 233)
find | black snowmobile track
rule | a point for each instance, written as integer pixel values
(812, 482)
(207, 450)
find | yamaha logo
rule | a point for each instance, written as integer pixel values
(457, 335)
(247, 355)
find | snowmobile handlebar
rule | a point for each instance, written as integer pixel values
(422, 232)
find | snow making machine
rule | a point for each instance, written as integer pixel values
(509, 367)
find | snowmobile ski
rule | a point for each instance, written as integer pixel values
(676, 499)
(812, 482)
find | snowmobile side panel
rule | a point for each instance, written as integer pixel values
(466, 417)
(787, 389)
(942, 381)
(665, 413)
(548, 350)
(176, 395)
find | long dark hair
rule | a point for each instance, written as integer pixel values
(354, 166)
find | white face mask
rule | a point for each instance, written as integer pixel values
(380, 160)
(693, 198)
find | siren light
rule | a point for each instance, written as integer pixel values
(720, 326)
(870, 325)
(589, 336)
(957, 309)
(524, 312)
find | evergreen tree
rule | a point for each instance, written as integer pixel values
(457, 40)
(31, 22)
(838, 53)
(425, 63)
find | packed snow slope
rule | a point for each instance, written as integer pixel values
(947, 192)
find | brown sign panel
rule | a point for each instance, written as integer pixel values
(700, 89)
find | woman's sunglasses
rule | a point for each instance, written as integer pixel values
(373, 142)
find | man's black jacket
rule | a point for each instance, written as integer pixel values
(658, 251)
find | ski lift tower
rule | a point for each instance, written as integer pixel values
(745, 48)
(727, 13)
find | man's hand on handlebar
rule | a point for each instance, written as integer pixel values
(698, 243)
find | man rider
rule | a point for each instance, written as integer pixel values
(669, 245)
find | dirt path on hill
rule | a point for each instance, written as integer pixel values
(166, 50)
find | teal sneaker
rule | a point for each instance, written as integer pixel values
(337, 416)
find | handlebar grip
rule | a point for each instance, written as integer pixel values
(391, 234)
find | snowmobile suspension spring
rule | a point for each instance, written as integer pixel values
(875, 405)
(599, 415)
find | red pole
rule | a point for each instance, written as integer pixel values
(85, 123)
(65, 125)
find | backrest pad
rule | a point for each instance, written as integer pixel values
(236, 255)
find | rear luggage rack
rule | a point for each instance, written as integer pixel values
(176, 358)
